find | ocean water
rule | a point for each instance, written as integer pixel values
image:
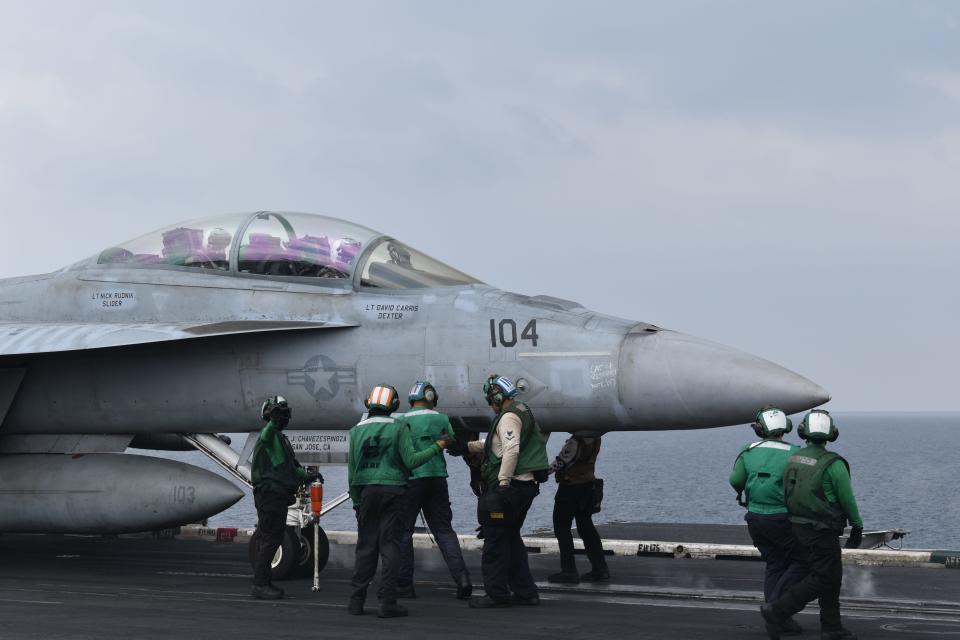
(904, 469)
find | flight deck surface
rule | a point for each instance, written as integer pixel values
(88, 587)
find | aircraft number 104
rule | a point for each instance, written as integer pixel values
(504, 333)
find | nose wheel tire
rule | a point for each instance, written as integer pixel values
(285, 557)
(304, 568)
(294, 556)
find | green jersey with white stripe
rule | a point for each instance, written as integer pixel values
(382, 452)
(758, 472)
(426, 427)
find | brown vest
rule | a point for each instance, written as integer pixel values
(581, 470)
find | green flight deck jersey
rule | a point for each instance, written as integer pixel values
(533, 446)
(758, 472)
(382, 452)
(426, 427)
(274, 466)
(817, 489)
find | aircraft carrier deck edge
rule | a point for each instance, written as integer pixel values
(659, 548)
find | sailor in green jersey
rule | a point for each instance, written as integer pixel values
(820, 500)
(758, 475)
(427, 491)
(379, 461)
(515, 459)
(275, 475)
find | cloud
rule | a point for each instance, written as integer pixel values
(667, 163)
(947, 83)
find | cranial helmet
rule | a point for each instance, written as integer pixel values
(276, 408)
(818, 426)
(771, 422)
(383, 396)
(498, 388)
(423, 391)
(346, 251)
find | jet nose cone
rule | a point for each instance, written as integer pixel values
(672, 380)
(218, 494)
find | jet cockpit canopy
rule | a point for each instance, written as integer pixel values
(297, 245)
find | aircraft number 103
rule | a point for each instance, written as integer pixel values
(504, 333)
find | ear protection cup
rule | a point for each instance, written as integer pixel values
(498, 388)
(818, 426)
(771, 421)
(275, 406)
(423, 391)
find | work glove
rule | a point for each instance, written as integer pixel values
(856, 537)
(478, 487)
(457, 448)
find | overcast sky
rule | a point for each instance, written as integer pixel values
(779, 177)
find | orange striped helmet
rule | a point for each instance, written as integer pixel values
(383, 396)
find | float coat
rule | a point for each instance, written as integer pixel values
(577, 461)
(817, 490)
(533, 448)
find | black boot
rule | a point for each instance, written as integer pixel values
(391, 610)
(266, 592)
(486, 602)
(564, 577)
(532, 601)
(837, 634)
(596, 575)
(771, 621)
(406, 591)
(790, 627)
(464, 587)
(357, 599)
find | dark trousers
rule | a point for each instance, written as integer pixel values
(575, 502)
(431, 496)
(379, 525)
(504, 558)
(271, 523)
(772, 535)
(820, 551)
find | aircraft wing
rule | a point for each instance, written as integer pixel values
(24, 338)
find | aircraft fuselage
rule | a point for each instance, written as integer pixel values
(580, 370)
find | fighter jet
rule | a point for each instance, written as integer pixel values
(184, 331)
